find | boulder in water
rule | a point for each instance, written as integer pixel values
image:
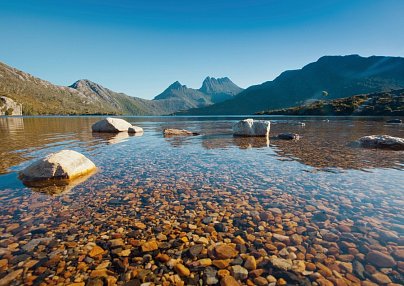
(382, 142)
(114, 125)
(251, 127)
(63, 166)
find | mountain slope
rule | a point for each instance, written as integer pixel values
(390, 103)
(86, 97)
(338, 76)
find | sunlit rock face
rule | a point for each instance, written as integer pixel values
(61, 166)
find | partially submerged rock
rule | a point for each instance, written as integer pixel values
(382, 142)
(251, 127)
(396, 120)
(114, 125)
(288, 136)
(135, 129)
(178, 132)
(61, 166)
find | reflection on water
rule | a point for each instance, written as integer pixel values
(339, 203)
(324, 144)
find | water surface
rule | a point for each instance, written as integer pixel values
(153, 179)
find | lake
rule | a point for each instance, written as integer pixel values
(184, 210)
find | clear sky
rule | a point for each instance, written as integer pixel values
(140, 47)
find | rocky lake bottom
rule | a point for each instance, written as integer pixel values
(211, 209)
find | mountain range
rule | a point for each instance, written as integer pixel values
(40, 97)
(330, 77)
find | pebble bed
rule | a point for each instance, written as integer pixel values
(208, 209)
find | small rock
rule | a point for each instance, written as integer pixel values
(6, 280)
(381, 278)
(182, 270)
(228, 281)
(224, 251)
(288, 136)
(96, 251)
(250, 263)
(210, 276)
(239, 272)
(149, 246)
(380, 259)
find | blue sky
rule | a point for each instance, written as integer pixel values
(140, 47)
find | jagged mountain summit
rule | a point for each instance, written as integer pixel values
(220, 89)
(334, 76)
(212, 91)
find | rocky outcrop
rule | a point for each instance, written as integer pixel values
(64, 165)
(251, 127)
(382, 142)
(9, 106)
(115, 125)
(178, 132)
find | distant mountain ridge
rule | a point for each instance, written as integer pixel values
(337, 76)
(86, 97)
(212, 91)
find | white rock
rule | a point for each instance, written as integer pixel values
(111, 125)
(63, 165)
(135, 129)
(382, 141)
(251, 127)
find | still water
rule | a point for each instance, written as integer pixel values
(339, 203)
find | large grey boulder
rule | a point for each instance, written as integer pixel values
(114, 125)
(251, 127)
(382, 141)
(63, 165)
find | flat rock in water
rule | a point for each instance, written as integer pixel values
(112, 125)
(394, 121)
(63, 165)
(251, 127)
(289, 136)
(178, 132)
(382, 142)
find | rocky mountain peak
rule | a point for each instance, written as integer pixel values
(224, 85)
(176, 85)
